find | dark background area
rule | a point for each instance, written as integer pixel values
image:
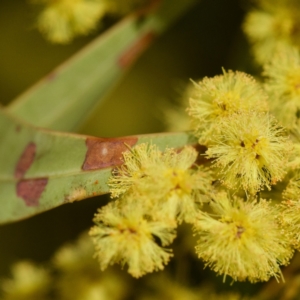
(200, 44)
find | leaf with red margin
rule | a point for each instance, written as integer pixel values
(42, 169)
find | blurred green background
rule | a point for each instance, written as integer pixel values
(199, 44)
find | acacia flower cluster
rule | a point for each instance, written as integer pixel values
(156, 190)
(215, 99)
(249, 150)
(272, 24)
(72, 261)
(29, 282)
(241, 232)
(62, 20)
(283, 85)
(242, 239)
(164, 181)
(124, 233)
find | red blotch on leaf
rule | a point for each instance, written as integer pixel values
(25, 160)
(30, 190)
(103, 153)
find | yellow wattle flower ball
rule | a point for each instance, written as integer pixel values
(124, 234)
(283, 85)
(215, 99)
(79, 277)
(273, 23)
(242, 239)
(250, 151)
(28, 281)
(164, 181)
(61, 20)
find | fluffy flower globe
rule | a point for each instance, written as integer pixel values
(164, 181)
(273, 23)
(74, 260)
(29, 281)
(242, 239)
(283, 85)
(221, 96)
(251, 151)
(61, 20)
(125, 234)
